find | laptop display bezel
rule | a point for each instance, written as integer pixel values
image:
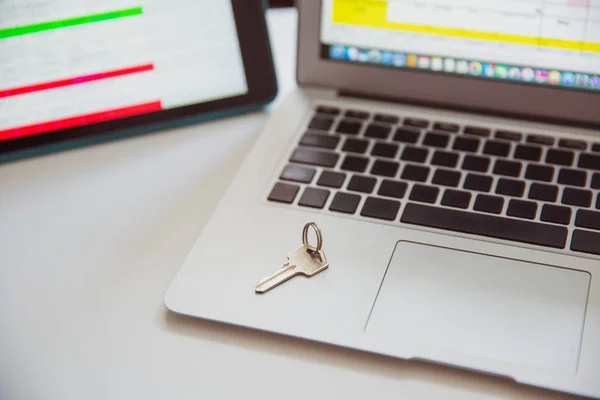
(547, 104)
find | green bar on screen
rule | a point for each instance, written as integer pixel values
(64, 23)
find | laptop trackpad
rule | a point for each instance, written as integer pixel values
(482, 305)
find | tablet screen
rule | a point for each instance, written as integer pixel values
(70, 63)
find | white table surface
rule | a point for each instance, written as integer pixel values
(89, 242)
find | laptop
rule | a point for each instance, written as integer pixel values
(449, 152)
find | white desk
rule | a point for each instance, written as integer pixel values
(91, 238)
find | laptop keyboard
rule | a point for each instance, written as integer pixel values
(527, 188)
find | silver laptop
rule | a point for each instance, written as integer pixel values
(449, 151)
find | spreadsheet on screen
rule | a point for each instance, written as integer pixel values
(559, 40)
(68, 63)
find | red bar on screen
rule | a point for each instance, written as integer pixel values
(80, 120)
(75, 81)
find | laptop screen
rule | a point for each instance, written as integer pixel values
(71, 63)
(536, 42)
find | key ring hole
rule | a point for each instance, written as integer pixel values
(317, 233)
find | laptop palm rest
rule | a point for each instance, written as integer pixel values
(485, 306)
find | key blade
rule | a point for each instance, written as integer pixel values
(276, 279)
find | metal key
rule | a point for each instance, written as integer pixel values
(306, 260)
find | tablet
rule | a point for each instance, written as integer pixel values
(75, 72)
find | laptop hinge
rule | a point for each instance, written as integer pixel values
(320, 91)
(479, 111)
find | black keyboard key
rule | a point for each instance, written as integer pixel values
(378, 131)
(577, 197)
(390, 119)
(539, 173)
(556, 214)
(466, 144)
(446, 178)
(493, 148)
(488, 204)
(446, 126)
(510, 187)
(539, 139)
(572, 177)
(572, 144)
(477, 131)
(538, 191)
(392, 189)
(283, 193)
(477, 164)
(380, 208)
(588, 219)
(507, 168)
(585, 242)
(598, 202)
(415, 173)
(298, 174)
(596, 147)
(321, 123)
(509, 135)
(559, 157)
(356, 164)
(456, 199)
(444, 159)
(407, 135)
(355, 145)
(529, 153)
(345, 203)
(486, 225)
(362, 184)
(596, 181)
(387, 150)
(317, 140)
(479, 183)
(328, 110)
(348, 127)
(414, 154)
(331, 179)
(416, 122)
(436, 140)
(424, 194)
(312, 157)
(385, 168)
(589, 161)
(314, 198)
(522, 209)
(357, 114)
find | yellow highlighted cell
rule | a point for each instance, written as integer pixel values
(373, 14)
